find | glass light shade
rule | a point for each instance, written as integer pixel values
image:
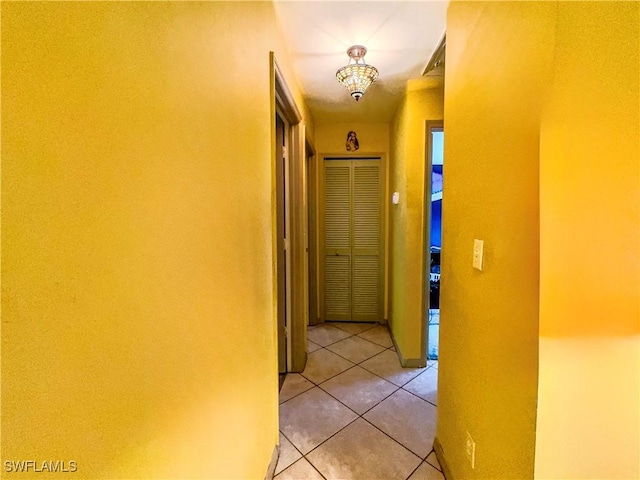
(357, 77)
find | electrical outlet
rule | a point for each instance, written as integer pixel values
(471, 451)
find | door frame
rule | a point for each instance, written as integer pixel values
(430, 126)
(283, 263)
(311, 197)
(320, 228)
(283, 103)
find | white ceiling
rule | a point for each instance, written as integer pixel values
(400, 38)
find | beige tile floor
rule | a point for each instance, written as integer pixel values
(355, 413)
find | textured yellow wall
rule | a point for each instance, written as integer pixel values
(543, 155)
(372, 137)
(589, 392)
(423, 101)
(497, 60)
(138, 336)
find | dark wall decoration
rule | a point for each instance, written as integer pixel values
(352, 142)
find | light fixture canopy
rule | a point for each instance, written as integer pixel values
(357, 75)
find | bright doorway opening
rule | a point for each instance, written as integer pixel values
(436, 163)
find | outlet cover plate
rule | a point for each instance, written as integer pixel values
(478, 253)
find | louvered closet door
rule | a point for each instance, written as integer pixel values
(337, 218)
(352, 206)
(366, 240)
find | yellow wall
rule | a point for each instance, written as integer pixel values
(497, 59)
(138, 336)
(423, 101)
(589, 392)
(542, 145)
(372, 137)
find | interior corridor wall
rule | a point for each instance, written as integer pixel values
(423, 101)
(542, 148)
(589, 394)
(138, 330)
(498, 56)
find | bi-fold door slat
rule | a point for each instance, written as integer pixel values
(337, 288)
(336, 207)
(366, 205)
(365, 287)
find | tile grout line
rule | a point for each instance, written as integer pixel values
(345, 358)
(397, 441)
(371, 424)
(424, 460)
(358, 415)
(347, 406)
(326, 440)
(374, 426)
(339, 373)
(302, 455)
(437, 468)
(364, 368)
(345, 338)
(332, 376)
(417, 396)
(414, 470)
(301, 458)
(362, 417)
(356, 364)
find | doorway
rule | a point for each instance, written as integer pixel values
(283, 261)
(312, 233)
(434, 182)
(352, 239)
(289, 226)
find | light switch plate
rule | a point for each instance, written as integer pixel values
(478, 253)
(395, 198)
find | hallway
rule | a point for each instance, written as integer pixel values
(355, 412)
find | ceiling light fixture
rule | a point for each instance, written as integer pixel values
(357, 76)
